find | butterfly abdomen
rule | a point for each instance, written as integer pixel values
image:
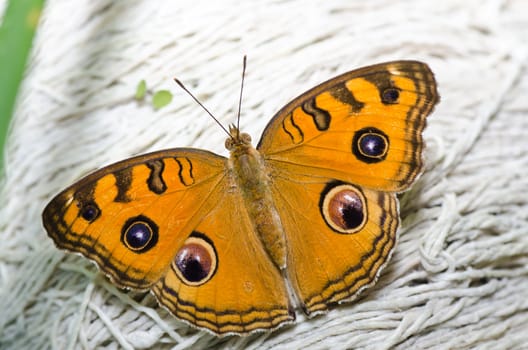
(251, 179)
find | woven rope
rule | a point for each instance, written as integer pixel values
(459, 275)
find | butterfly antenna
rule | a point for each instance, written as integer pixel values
(201, 105)
(240, 98)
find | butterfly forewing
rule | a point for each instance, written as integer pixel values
(130, 217)
(364, 127)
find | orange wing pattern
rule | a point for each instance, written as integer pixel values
(363, 127)
(336, 156)
(159, 194)
(155, 221)
(246, 293)
(330, 263)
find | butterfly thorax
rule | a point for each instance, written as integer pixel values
(252, 180)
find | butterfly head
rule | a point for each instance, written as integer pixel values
(237, 139)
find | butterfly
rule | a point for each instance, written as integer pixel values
(307, 219)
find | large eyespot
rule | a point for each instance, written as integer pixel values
(139, 234)
(89, 211)
(343, 207)
(370, 145)
(196, 261)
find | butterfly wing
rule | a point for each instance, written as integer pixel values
(339, 237)
(337, 155)
(170, 221)
(249, 292)
(363, 127)
(130, 217)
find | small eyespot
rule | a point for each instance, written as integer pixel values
(370, 145)
(390, 95)
(139, 234)
(196, 261)
(89, 211)
(344, 208)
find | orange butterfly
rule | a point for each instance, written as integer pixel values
(313, 206)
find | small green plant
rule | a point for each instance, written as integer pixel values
(141, 90)
(161, 99)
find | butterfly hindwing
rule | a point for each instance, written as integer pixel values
(247, 291)
(339, 237)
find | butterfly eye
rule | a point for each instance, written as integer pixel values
(370, 145)
(196, 261)
(390, 96)
(344, 208)
(139, 234)
(229, 144)
(89, 211)
(246, 138)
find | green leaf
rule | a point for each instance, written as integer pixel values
(141, 90)
(161, 99)
(16, 35)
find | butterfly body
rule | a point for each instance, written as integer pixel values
(252, 180)
(219, 240)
